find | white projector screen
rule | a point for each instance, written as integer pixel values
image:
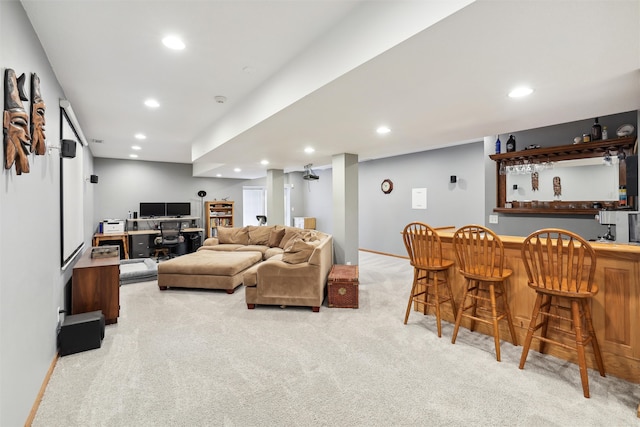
(71, 195)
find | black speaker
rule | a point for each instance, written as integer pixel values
(94, 179)
(81, 332)
(68, 148)
(632, 175)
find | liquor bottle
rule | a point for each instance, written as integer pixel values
(605, 134)
(511, 144)
(498, 145)
(596, 131)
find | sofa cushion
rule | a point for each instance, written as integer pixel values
(275, 236)
(221, 248)
(272, 252)
(253, 248)
(288, 235)
(234, 235)
(259, 235)
(298, 251)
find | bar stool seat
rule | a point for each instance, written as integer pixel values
(480, 256)
(430, 271)
(560, 268)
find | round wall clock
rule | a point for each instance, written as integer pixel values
(386, 186)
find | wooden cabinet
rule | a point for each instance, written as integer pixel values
(96, 286)
(624, 145)
(218, 214)
(308, 223)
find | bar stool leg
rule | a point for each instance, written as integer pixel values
(460, 310)
(582, 362)
(494, 318)
(413, 292)
(436, 296)
(594, 339)
(505, 303)
(453, 302)
(474, 306)
(530, 330)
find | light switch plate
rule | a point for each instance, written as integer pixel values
(493, 219)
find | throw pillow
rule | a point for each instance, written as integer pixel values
(288, 235)
(259, 235)
(233, 235)
(298, 252)
(275, 236)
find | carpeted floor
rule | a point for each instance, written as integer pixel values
(201, 358)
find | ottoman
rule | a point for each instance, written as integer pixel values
(206, 270)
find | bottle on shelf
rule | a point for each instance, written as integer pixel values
(622, 195)
(596, 131)
(498, 145)
(605, 133)
(511, 144)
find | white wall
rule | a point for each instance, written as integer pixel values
(31, 282)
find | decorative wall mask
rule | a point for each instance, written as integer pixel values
(557, 187)
(15, 123)
(534, 181)
(38, 108)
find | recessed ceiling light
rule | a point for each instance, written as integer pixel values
(521, 91)
(309, 150)
(133, 156)
(136, 147)
(173, 42)
(264, 162)
(218, 175)
(152, 103)
(140, 136)
(237, 170)
(382, 130)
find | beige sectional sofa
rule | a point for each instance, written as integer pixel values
(290, 265)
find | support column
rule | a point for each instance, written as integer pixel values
(345, 208)
(275, 196)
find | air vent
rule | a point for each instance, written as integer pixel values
(97, 141)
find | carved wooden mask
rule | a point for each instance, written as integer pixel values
(38, 108)
(15, 123)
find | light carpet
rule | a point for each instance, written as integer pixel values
(201, 358)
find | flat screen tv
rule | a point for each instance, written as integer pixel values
(179, 209)
(152, 209)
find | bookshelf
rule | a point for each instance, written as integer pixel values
(218, 214)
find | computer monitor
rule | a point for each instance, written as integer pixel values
(179, 209)
(152, 209)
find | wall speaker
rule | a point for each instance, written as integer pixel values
(94, 179)
(453, 179)
(68, 148)
(632, 175)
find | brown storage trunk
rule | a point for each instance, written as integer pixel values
(342, 287)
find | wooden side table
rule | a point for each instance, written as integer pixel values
(342, 287)
(123, 237)
(96, 286)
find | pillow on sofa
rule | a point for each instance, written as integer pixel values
(275, 236)
(234, 235)
(259, 235)
(288, 235)
(298, 252)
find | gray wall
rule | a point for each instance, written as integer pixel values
(31, 281)
(383, 216)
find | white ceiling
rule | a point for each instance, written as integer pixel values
(326, 73)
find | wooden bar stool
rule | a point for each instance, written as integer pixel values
(480, 256)
(560, 267)
(430, 270)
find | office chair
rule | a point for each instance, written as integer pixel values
(262, 220)
(170, 235)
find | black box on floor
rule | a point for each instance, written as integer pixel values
(81, 332)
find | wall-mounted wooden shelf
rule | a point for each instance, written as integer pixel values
(581, 150)
(626, 145)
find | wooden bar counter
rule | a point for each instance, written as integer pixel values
(615, 309)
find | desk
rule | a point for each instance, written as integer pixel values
(142, 245)
(101, 237)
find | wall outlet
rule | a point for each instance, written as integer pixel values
(493, 219)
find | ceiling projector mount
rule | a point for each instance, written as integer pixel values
(309, 175)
